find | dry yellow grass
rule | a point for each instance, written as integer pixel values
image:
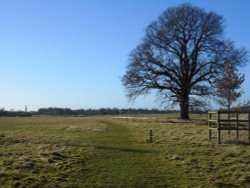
(101, 151)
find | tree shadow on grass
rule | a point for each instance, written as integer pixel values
(125, 149)
(237, 142)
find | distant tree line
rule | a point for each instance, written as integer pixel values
(101, 111)
(4, 113)
(245, 106)
(53, 111)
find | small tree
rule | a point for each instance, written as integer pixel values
(229, 84)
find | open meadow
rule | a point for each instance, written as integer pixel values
(105, 152)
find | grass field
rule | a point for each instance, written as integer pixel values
(103, 152)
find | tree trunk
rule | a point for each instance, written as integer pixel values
(184, 106)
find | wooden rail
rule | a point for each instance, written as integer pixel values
(230, 121)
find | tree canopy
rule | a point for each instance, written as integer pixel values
(227, 87)
(181, 56)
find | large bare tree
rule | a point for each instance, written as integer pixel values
(180, 56)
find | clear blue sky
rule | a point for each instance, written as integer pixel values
(73, 53)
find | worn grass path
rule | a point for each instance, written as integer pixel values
(119, 161)
(79, 152)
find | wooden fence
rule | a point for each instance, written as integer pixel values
(228, 121)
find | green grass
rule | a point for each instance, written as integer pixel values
(102, 152)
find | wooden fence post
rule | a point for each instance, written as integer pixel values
(237, 127)
(209, 126)
(218, 127)
(150, 136)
